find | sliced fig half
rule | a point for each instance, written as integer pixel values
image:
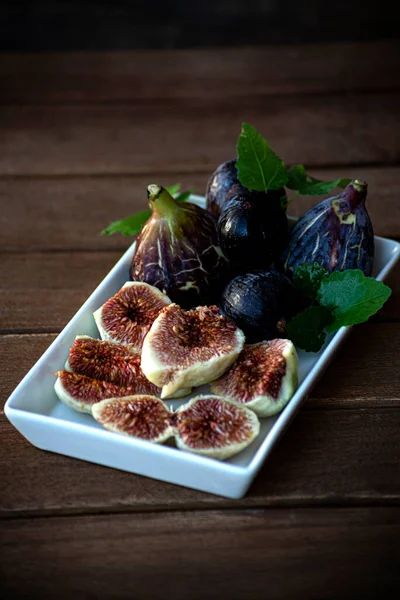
(80, 392)
(98, 369)
(108, 361)
(141, 416)
(186, 348)
(128, 315)
(264, 377)
(207, 425)
(116, 363)
(215, 427)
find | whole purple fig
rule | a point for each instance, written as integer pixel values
(336, 233)
(178, 252)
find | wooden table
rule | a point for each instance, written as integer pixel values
(81, 137)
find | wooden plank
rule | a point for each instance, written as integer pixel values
(209, 74)
(69, 213)
(42, 291)
(318, 130)
(362, 372)
(291, 553)
(327, 457)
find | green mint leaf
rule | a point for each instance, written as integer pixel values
(128, 226)
(297, 177)
(309, 186)
(351, 297)
(183, 196)
(258, 167)
(306, 329)
(307, 279)
(173, 189)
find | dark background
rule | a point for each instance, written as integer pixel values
(93, 25)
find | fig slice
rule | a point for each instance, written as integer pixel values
(206, 425)
(80, 392)
(98, 369)
(127, 316)
(117, 363)
(108, 361)
(215, 427)
(187, 348)
(264, 377)
(141, 416)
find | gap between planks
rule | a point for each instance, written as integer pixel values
(217, 101)
(177, 170)
(245, 506)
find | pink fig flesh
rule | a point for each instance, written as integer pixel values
(141, 416)
(264, 377)
(128, 315)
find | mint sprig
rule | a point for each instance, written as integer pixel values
(259, 168)
(307, 279)
(299, 181)
(307, 329)
(174, 188)
(351, 297)
(128, 226)
(341, 298)
(133, 224)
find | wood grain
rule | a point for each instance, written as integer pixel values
(327, 458)
(229, 73)
(345, 456)
(43, 291)
(69, 212)
(290, 553)
(317, 130)
(81, 137)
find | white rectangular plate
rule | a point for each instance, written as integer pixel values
(36, 412)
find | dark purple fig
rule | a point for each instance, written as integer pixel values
(336, 233)
(178, 252)
(260, 303)
(253, 229)
(222, 186)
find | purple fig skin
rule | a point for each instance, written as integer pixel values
(253, 230)
(336, 233)
(178, 252)
(222, 186)
(260, 303)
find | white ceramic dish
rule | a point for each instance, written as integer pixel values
(36, 412)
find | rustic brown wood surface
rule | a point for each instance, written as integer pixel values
(81, 137)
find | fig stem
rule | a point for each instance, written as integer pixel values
(355, 193)
(161, 201)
